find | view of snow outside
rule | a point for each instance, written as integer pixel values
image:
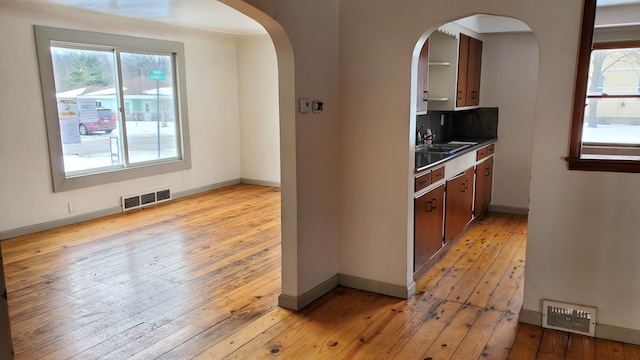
(94, 152)
(611, 133)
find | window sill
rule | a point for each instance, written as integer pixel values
(603, 163)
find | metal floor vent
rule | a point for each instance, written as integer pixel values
(569, 317)
(145, 199)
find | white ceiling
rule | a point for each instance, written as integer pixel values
(201, 14)
(213, 15)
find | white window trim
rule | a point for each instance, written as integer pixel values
(44, 36)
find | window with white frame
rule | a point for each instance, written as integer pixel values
(612, 114)
(115, 106)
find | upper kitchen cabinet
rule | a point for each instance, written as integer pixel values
(469, 66)
(454, 70)
(422, 93)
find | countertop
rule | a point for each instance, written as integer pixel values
(424, 160)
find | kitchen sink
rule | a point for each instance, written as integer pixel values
(447, 148)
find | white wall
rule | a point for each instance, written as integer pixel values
(213, 107)
(582, 230)
(311, 222)
(259, 115)
(509, 81)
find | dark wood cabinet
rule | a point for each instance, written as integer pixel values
(422, 93)
(428, 221)
(469, 68)
(459, 204)
(484, 180)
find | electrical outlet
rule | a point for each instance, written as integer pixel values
(72, 207)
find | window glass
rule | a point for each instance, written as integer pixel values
(148, 86)
(85, 94)
(115, 106)
(612, 112)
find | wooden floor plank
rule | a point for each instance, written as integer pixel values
(199, 277)
(478, 335)
(500, 342)
(631, 351)
(429, 332)
(447, 343)
(553, 345)
(527, 343)
(609, 350)
(581, 347)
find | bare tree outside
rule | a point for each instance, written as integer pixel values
(603, 61)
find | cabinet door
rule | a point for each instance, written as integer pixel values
(484, 179)
(459, 204)
(422, 93)
(473, 74)
(463, 65)
(429, 216)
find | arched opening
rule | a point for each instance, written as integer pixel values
(504, 109)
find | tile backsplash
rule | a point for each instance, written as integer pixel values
(460, 125)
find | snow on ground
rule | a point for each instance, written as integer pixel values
(612, 133)
(139, 130)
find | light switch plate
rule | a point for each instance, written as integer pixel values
(305, 105)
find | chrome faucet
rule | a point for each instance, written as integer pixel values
(428, 137)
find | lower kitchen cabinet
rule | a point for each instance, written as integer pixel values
(484, 180)
(459, 204)
(429, 216)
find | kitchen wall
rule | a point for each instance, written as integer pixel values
(582, 244)
(217, 69)
(510, 78)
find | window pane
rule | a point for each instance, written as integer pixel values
(611, 119)
(147, 82)
(87, 109)
(615, 71)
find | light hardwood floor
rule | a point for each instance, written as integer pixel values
(200, 277)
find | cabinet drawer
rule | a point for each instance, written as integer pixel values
(423, 181)
(481, 154)
(491, 149)
(437, 174)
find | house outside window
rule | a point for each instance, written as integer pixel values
(612, 118)
(115, 106)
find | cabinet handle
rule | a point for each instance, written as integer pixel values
(466, 184)
(459, 94)
(429, 208)
(487, 171)
(464, 188)
(425, 95)
(435, 204)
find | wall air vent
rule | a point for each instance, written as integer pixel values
(569, 317)
(148, 198)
